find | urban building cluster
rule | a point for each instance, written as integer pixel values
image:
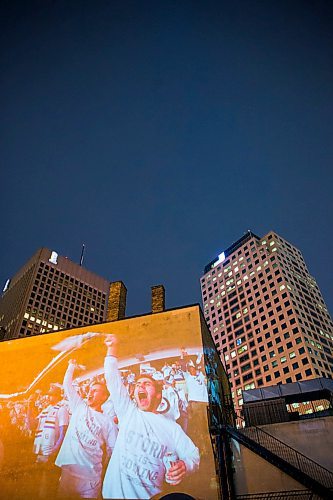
(266, 338)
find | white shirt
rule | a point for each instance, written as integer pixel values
(170, 395)
(136, 468)
(88, 431)
(196, 387)
(166, 369)
(47, 433)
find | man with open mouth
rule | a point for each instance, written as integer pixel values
(136, 469)
(90, 433)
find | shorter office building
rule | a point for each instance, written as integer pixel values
(51, 293)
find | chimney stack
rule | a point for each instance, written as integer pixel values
(117, 301)
(157, 298)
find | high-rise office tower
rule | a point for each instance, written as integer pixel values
(51, 293)
(266, 314)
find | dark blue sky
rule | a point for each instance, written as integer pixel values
(157, 132)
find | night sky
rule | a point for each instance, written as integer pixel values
(158, 132)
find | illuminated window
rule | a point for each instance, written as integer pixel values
(242, 349)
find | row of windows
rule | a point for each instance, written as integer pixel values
(265, 368)
(29, 329)
(46, 272)
(269, 378)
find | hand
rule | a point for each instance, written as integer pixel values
(111, 343)
(110, 339)
(177, 472)
(49, 450)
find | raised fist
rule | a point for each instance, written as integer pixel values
(110, 340)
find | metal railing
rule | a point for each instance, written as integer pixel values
(280, 495)
(290, 455)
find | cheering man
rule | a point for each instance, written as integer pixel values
(89, 434)
(136, 468)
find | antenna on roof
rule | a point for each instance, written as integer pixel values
(82, 254)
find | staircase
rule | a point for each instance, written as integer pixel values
(312, 475)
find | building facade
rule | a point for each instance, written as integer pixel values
(149, 346)
(51, 293)
(266, 314)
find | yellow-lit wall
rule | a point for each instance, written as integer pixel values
(32, 364)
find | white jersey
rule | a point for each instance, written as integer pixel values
(196, 387)
(88, 431)
(47, 433)
(166, 369)
(136, 468)
(108, 408)
(171, 396)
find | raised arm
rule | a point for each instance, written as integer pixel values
(72, 395)
(199, 358)
(118, 391)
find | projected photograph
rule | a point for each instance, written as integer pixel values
(117, 410)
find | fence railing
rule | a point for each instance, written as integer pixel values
(290, 455)
(280, 495)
